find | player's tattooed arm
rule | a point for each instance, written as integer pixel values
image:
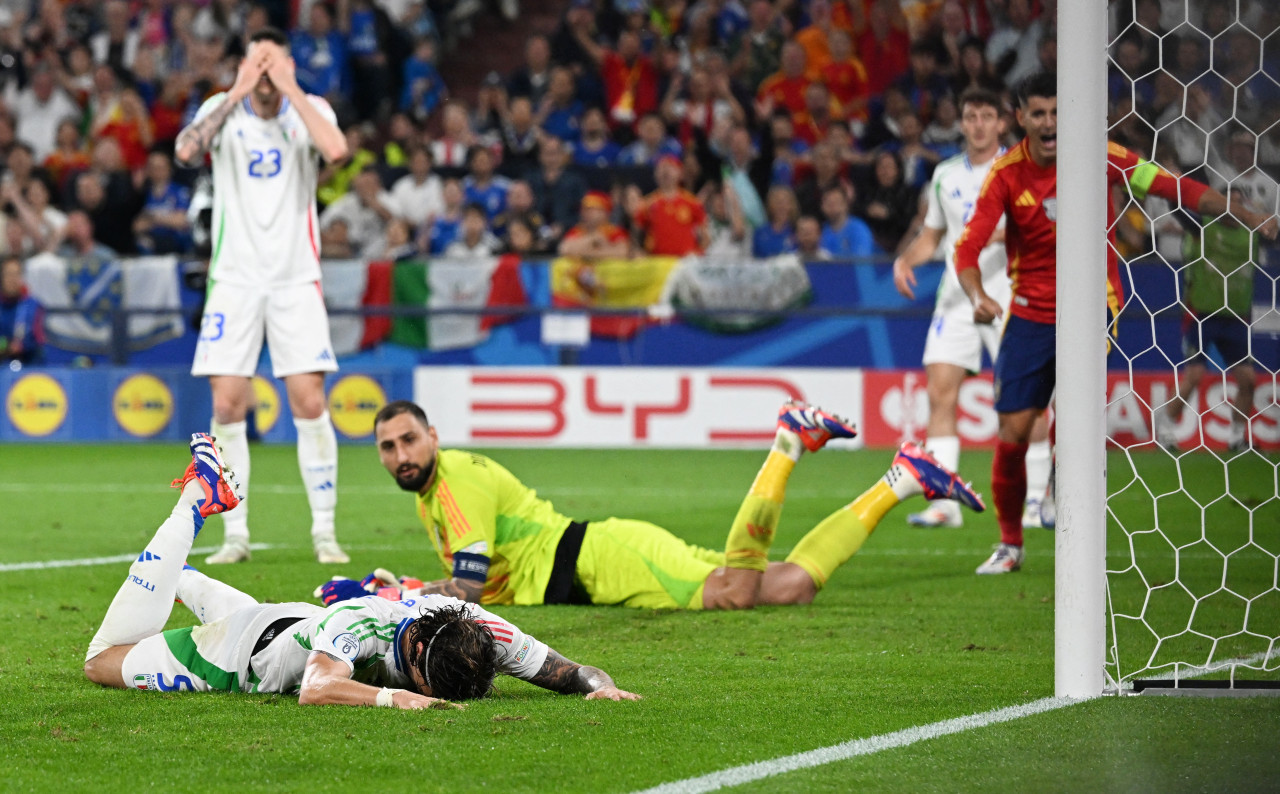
(461, 589)
(197, 137)
(570, 678)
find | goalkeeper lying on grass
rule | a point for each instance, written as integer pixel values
(413, 654)
(504, 545)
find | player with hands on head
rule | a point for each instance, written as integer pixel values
(502, 544)
(417, 653)
(263, 136)
(954, 346)
(1022, 189)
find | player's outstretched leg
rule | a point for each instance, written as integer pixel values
(208, 599)
(830, 544)
(142, 605)
(800, 427)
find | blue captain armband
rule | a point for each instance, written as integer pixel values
(470, 566)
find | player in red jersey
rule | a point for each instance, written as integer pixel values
(1022, 187)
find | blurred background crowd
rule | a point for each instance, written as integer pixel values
(766, 127)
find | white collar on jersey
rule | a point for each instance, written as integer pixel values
(248, 107)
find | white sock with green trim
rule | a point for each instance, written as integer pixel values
(1039, 461)
(145, 600)
(209, 599)
(318, 461)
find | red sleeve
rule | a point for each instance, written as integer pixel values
(1127, 168)
(987, 212)
(699, 212)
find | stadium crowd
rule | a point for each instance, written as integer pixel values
(713, 126)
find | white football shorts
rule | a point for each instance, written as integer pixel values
(293, 318)
(954, 338)
(212, 657)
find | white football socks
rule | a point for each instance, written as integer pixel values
(143, 603)
(318, 461)
(1039, 462)
(209, 599)
(233, 439)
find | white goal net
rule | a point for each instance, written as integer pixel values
(1192, 413)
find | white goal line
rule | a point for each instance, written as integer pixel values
(40, 565)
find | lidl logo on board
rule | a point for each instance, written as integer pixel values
(353, 402)
(143, 405)
(267, 412)
(36, 405)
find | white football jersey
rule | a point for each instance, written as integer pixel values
(952, 193)
(365, 633)
(264, 230)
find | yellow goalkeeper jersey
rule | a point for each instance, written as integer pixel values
(478, 507)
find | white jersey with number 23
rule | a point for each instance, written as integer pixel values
(265, 231)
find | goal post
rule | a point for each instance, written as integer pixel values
(1080, 405)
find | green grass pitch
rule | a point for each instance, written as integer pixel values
(904, 635)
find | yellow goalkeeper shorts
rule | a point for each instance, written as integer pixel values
(638, 564)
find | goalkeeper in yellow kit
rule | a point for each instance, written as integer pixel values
(504, 545)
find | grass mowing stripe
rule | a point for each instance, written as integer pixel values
(747, 773)
(40, 565)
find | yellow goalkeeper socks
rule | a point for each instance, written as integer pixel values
(830, 544)
(753, 527)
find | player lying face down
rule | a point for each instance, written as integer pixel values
(415, 653)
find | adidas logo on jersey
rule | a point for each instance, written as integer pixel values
(1025, 199)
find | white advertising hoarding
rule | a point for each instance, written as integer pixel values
(612, 407)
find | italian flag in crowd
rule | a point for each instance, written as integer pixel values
(486, 282)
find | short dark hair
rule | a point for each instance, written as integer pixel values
(397, 407)
(1041, 84)
(982, 97)
(458, 660)
(273, 35)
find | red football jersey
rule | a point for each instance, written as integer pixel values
(786, 92)
(670, 223)
(1027, 195)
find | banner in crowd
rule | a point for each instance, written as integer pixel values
(96, 288)
(612, 284)
(483, 282)
(706, 289)
(350, 285)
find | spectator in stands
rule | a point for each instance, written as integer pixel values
(400, 244)
(652, 144)
(559, 112)
(745, 170)
(42, 225)
(818, 117)
(521, 238)
(474, 239)
(365, 213)
(1241, 174)
(785, 88)
(437, 233)
(107, 196)
(815, 39)
(671, 219)
(883, 44)
(369, 38)
(699, 105)
(402, 138)
(20, 316)
(728, 234)
(79, 240)
(845, 77)
(419, 194)
(119, 113)
(809, 245)
(917, 158)
(69, 155)
(423, 87)
(533, 78)
(20, 165)
(451, 149)
(888, 204)
(335, 178)
(320, 54)
(595, 149)
(923, 85)
(519, 139)
(778, 235)
(482, 185)
(594, 237)
(559, 191)
(630, 78)
(787, 149)
(1013, 48)
(825, 173)
(116, 45)
(757, 51)
(974, 71)
(566, 44)
(168, 110)
(943, 134)
(952, 34)
(162, 226)
(38, 108)
(845, 236)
